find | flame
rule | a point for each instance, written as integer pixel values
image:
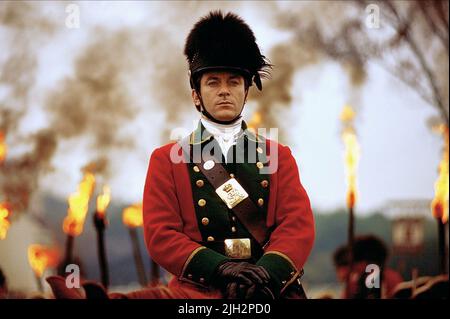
(103, 200)
(42, 257)
(3, 147)
(347, 114)
(439, 205)
(78, 206)
(132, 216)
(351, 155)
(4, 222)
(254, 122)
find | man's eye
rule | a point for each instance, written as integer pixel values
(212, 82)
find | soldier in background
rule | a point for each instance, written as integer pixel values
(367, 250)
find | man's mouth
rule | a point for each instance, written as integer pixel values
(224, 103)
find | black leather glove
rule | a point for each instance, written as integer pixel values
(237, 279)
(241, 272)
(235, 290)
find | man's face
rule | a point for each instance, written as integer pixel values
(223, 94)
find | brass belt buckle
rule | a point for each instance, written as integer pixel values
(238, 248)
(231, 192)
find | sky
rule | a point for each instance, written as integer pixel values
(399, 153)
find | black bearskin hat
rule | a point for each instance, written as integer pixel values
(218, 42)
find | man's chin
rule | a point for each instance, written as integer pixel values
(225, 115)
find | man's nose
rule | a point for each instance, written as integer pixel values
(224, 90)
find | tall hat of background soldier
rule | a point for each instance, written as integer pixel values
(224, 43)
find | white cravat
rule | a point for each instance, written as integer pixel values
(225, 134)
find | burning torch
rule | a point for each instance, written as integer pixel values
(100, 225)
(132, 218)
(78, 207)
(351, 163)
(439, 205)
(4, 221)
(4, 208)
(40, 258)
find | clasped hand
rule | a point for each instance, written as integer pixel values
(243, 280)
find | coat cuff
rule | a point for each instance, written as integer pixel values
(281, 269)
(201, 265)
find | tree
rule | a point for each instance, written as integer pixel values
(410, 41)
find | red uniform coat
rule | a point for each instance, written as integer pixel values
(170, 224)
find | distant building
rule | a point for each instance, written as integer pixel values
(408, 218)
(415, 236)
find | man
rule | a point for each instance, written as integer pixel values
(188, 227)
(224, 209)
(367, 250)
(341, 263)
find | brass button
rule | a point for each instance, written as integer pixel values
(202, 280)
(233, 229)
(205, 221)
(232, 175)
(260, 201)
(201, 202)
(260, 165)
(190, 276)
(259, 150)
(233, 218)
(196, 169)
(200, 183)
(210, 238)
(264, 183)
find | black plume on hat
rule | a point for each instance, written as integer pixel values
(218, 42)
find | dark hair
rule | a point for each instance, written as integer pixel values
(368, 248)
(340, 256)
